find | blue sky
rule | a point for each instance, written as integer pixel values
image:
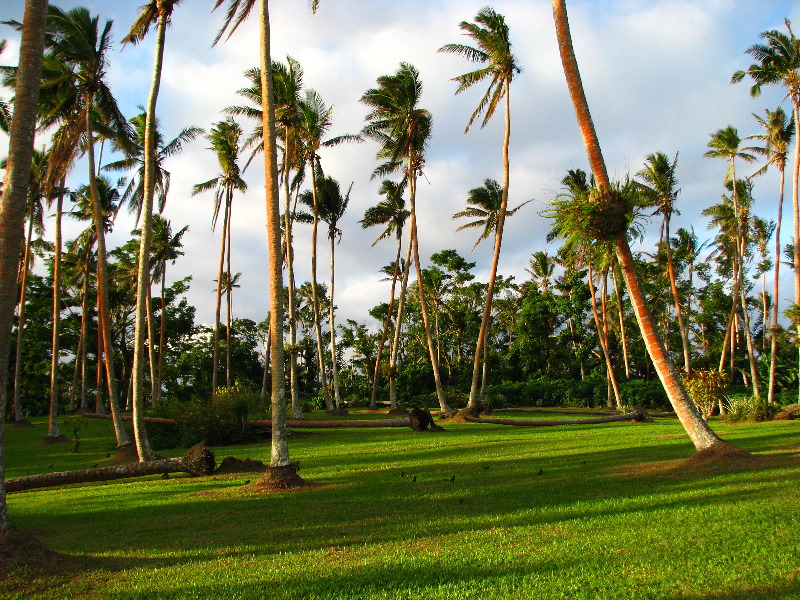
(656, 74)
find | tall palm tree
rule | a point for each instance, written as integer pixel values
(75, 82)
(777, 133)
(778, 63)
(698, 430)
(332, 209)
(541, 267)
(727, 144)
(228, 283)
(390, 212)
(5, 107)
(12, 209)
(402, 130)
(166, 247)
(493, 51)
(225, 139)
(660, 189)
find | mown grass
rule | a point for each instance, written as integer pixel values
(478, 511)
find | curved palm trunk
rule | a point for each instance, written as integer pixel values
(796, 211)
(52, 422)
(602, 336)
(498, 240)
(750, 347)
(773, 346)
(398, 328)
(412, 187)
(151, 343)
(228, 308)
(331, 318)
(279, 455)
(19, 415)
(162, 326)
(12, 208)
(102, 292)
(373, 403)
(323, 378)
(698, 430)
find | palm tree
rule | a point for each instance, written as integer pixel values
(5, 108)
(402, 130)
(392, 213)
(659, 187)
(224, 137)
(165, 247)
(727, 144)
(492, 49)
(778, 131)
(12, 209)
(778, 63)
(75, 82)
(698, 430)
(331, 209)
(227, 284)
(541, 266)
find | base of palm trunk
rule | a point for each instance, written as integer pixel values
(722, 453)
(278, 479)
(473, 411)
(55, 439)
(22, 424)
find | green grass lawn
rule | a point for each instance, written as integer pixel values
(478, 511)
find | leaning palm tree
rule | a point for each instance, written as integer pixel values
(778, 63)
(224, 137)
(12, 209)
(390, 212)
(778, 131)
(659, 187)
(402, 130)
(493, 50)
(698, 430)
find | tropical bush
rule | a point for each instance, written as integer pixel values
(749, 408)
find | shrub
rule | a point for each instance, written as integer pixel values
(706, 388)
(648, 394)
(749, 408)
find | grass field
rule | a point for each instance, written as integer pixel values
(478, 511)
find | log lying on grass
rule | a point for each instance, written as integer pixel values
(197, 461)
(638, 414)
(557, 411)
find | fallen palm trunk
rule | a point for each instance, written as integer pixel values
(636, 415)
(401, 422)
(556, 411)
(197, 461)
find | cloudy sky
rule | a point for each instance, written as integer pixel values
(656, 73)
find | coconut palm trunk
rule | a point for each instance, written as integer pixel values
(291, 305)
(104, 304)
(19, 415)
(12, 208)
(323, 378)
(796, 211)
(697, 429)
(218, 308)
(398, 328)
(279, 454)
(52, 422)
(332, 320)
(412, 194)
(373, 403)
(773, 343)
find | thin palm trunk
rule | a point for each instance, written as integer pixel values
(622, 330)
(218, 309)
(102, 291)
(796, 211)
(373, 404)
(279, 455)
(398, 327)
(297, 407)
(151, 346)
(162, 333)
(687, 361)
(331, 318)
(698, 430)
(228, 290)
(52, 422)
(498, 240)
(412, 187)
(773, 347)
(19, 415)
(602, 336)
(750, 347)
(323, 378)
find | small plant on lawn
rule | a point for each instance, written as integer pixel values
(749, 408)
(706, 388)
